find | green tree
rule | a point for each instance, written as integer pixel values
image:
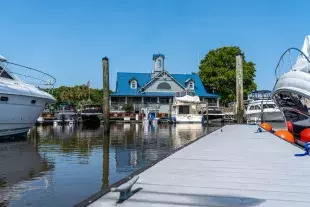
(218, 71)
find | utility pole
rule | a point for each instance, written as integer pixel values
(239, 89)
(106, 95)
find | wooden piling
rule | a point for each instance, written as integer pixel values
(239, 90)
(106, 159)
(207, 112)
(170, 108)
(106, 94)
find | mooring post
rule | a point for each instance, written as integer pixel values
(170, 108)
(106, 159)
(106, 94)
(207, 112)
(239, 89)
(262, 110)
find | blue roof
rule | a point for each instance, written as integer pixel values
(155, 56)
(123, 86)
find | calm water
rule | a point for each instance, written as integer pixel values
(61, 166)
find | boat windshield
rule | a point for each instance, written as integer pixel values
(5, 74)
(269, 106)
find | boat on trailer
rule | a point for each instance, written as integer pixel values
(22, 98)
(292, 89)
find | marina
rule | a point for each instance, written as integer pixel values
(250, 169)
(154, 104)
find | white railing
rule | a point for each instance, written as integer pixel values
(29, 75)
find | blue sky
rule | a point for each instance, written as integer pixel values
(68, 38)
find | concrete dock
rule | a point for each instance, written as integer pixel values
(234, 166)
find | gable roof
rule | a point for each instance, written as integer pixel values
(158, 75)
(188, 80)
(123, 87)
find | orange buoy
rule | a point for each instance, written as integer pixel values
(266, 126)
(290, 126)
(285, 135)
(288, 136)
(305, 135)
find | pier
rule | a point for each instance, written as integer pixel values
(233, 166)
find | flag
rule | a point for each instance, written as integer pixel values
(88, 84)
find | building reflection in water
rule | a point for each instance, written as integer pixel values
(80, 160)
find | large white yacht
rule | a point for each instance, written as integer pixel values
(292, 89)
(21, 102)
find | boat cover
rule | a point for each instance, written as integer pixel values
(302, 63)
(188, 99)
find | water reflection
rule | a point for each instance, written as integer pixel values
(62, 165)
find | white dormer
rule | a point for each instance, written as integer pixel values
(133, 83)
(190, 84)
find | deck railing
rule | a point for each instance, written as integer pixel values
(29, 75)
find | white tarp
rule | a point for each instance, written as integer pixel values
(188, 99)
(302, 63)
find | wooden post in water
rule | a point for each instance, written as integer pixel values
(262, 109)
(207, 112)
(106, 159)
(239, 89)
(170, 108)
(106, 94)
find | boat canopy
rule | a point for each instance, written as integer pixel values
(187, 99)
(302, 62)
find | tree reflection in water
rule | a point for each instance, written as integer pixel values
(80, 160)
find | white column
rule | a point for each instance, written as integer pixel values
(218, 102)
(157, 99)
(126, 100)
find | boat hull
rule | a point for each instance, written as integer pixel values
(267, 116)
(187, 118)
(19, 114)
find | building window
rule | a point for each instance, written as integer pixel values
(183, 109)
(159, 63)
(133, 84)
(164, 86)
(191, 85)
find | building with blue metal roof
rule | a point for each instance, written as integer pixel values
(156, 88)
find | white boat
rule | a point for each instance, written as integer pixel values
(21, 103)
(292, 89)
(270, 111)
(187, 108)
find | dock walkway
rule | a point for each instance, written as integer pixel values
(232, 167)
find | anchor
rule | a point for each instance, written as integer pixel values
(307, 148)
(125, 189)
